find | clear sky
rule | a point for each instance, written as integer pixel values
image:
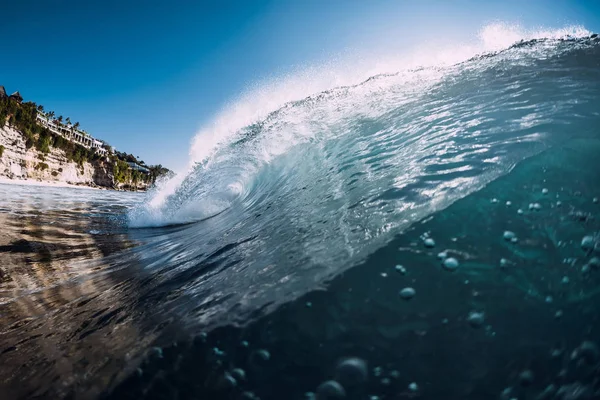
(145, 75)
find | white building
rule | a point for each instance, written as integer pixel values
(72, 134)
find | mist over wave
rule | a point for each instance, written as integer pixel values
(293, 189)
(291, 260)
(312, 105)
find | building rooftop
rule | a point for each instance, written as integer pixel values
(138, 167)
(17, 95)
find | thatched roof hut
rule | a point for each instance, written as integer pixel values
(17, 96)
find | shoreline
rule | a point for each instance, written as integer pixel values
(34, 182)
(56, 184)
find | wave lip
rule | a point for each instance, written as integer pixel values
(315, 184)
(316, 104)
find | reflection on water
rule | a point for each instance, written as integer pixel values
(46, 232)
(56, 300)
(89, 309)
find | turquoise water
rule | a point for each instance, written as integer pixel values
(278, 253)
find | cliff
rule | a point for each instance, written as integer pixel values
(18, 162)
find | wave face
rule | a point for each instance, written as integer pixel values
(280, 201)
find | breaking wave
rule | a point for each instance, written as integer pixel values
(307, 174)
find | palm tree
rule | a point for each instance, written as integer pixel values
(51, 114)
(60, 119)
(76, 125)
(41, 108)
(68, 120)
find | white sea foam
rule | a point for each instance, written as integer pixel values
(263, 98)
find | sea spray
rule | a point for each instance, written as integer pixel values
(286, 110)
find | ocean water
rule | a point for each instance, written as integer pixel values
(430, 232)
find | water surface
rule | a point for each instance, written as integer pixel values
(277, 254)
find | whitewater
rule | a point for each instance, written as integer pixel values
(325, 167)
(374, 227)
(355, 80)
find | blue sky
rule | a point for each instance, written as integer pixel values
(145, 75)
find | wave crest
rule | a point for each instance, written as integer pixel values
(308, 106)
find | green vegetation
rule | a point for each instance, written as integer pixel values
(41, 166)
(22, 117)
(1, 150)
(121, 171)
(43, 141)
(156, 171)
(127, 169)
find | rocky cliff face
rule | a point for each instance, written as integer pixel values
(17, 162)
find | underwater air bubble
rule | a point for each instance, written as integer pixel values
(450, 263)
(239, 374)
(548, 393)
(429, 242)
(476, 319)
(258, 358)
(229, 381)
(351, 371)
(407, 293)
(588, 351)
(575, 391)
(544, 191)
(519, 211)
(157, 351)
(587, 243)
(263, 354)
(555, 353)
(585, 269)
(218, 352)
(594, 263)
(508, 203)
(400, 269)
(526, 378)
(330, 390)
(508, 235)
(505, 395)
(413, 387)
